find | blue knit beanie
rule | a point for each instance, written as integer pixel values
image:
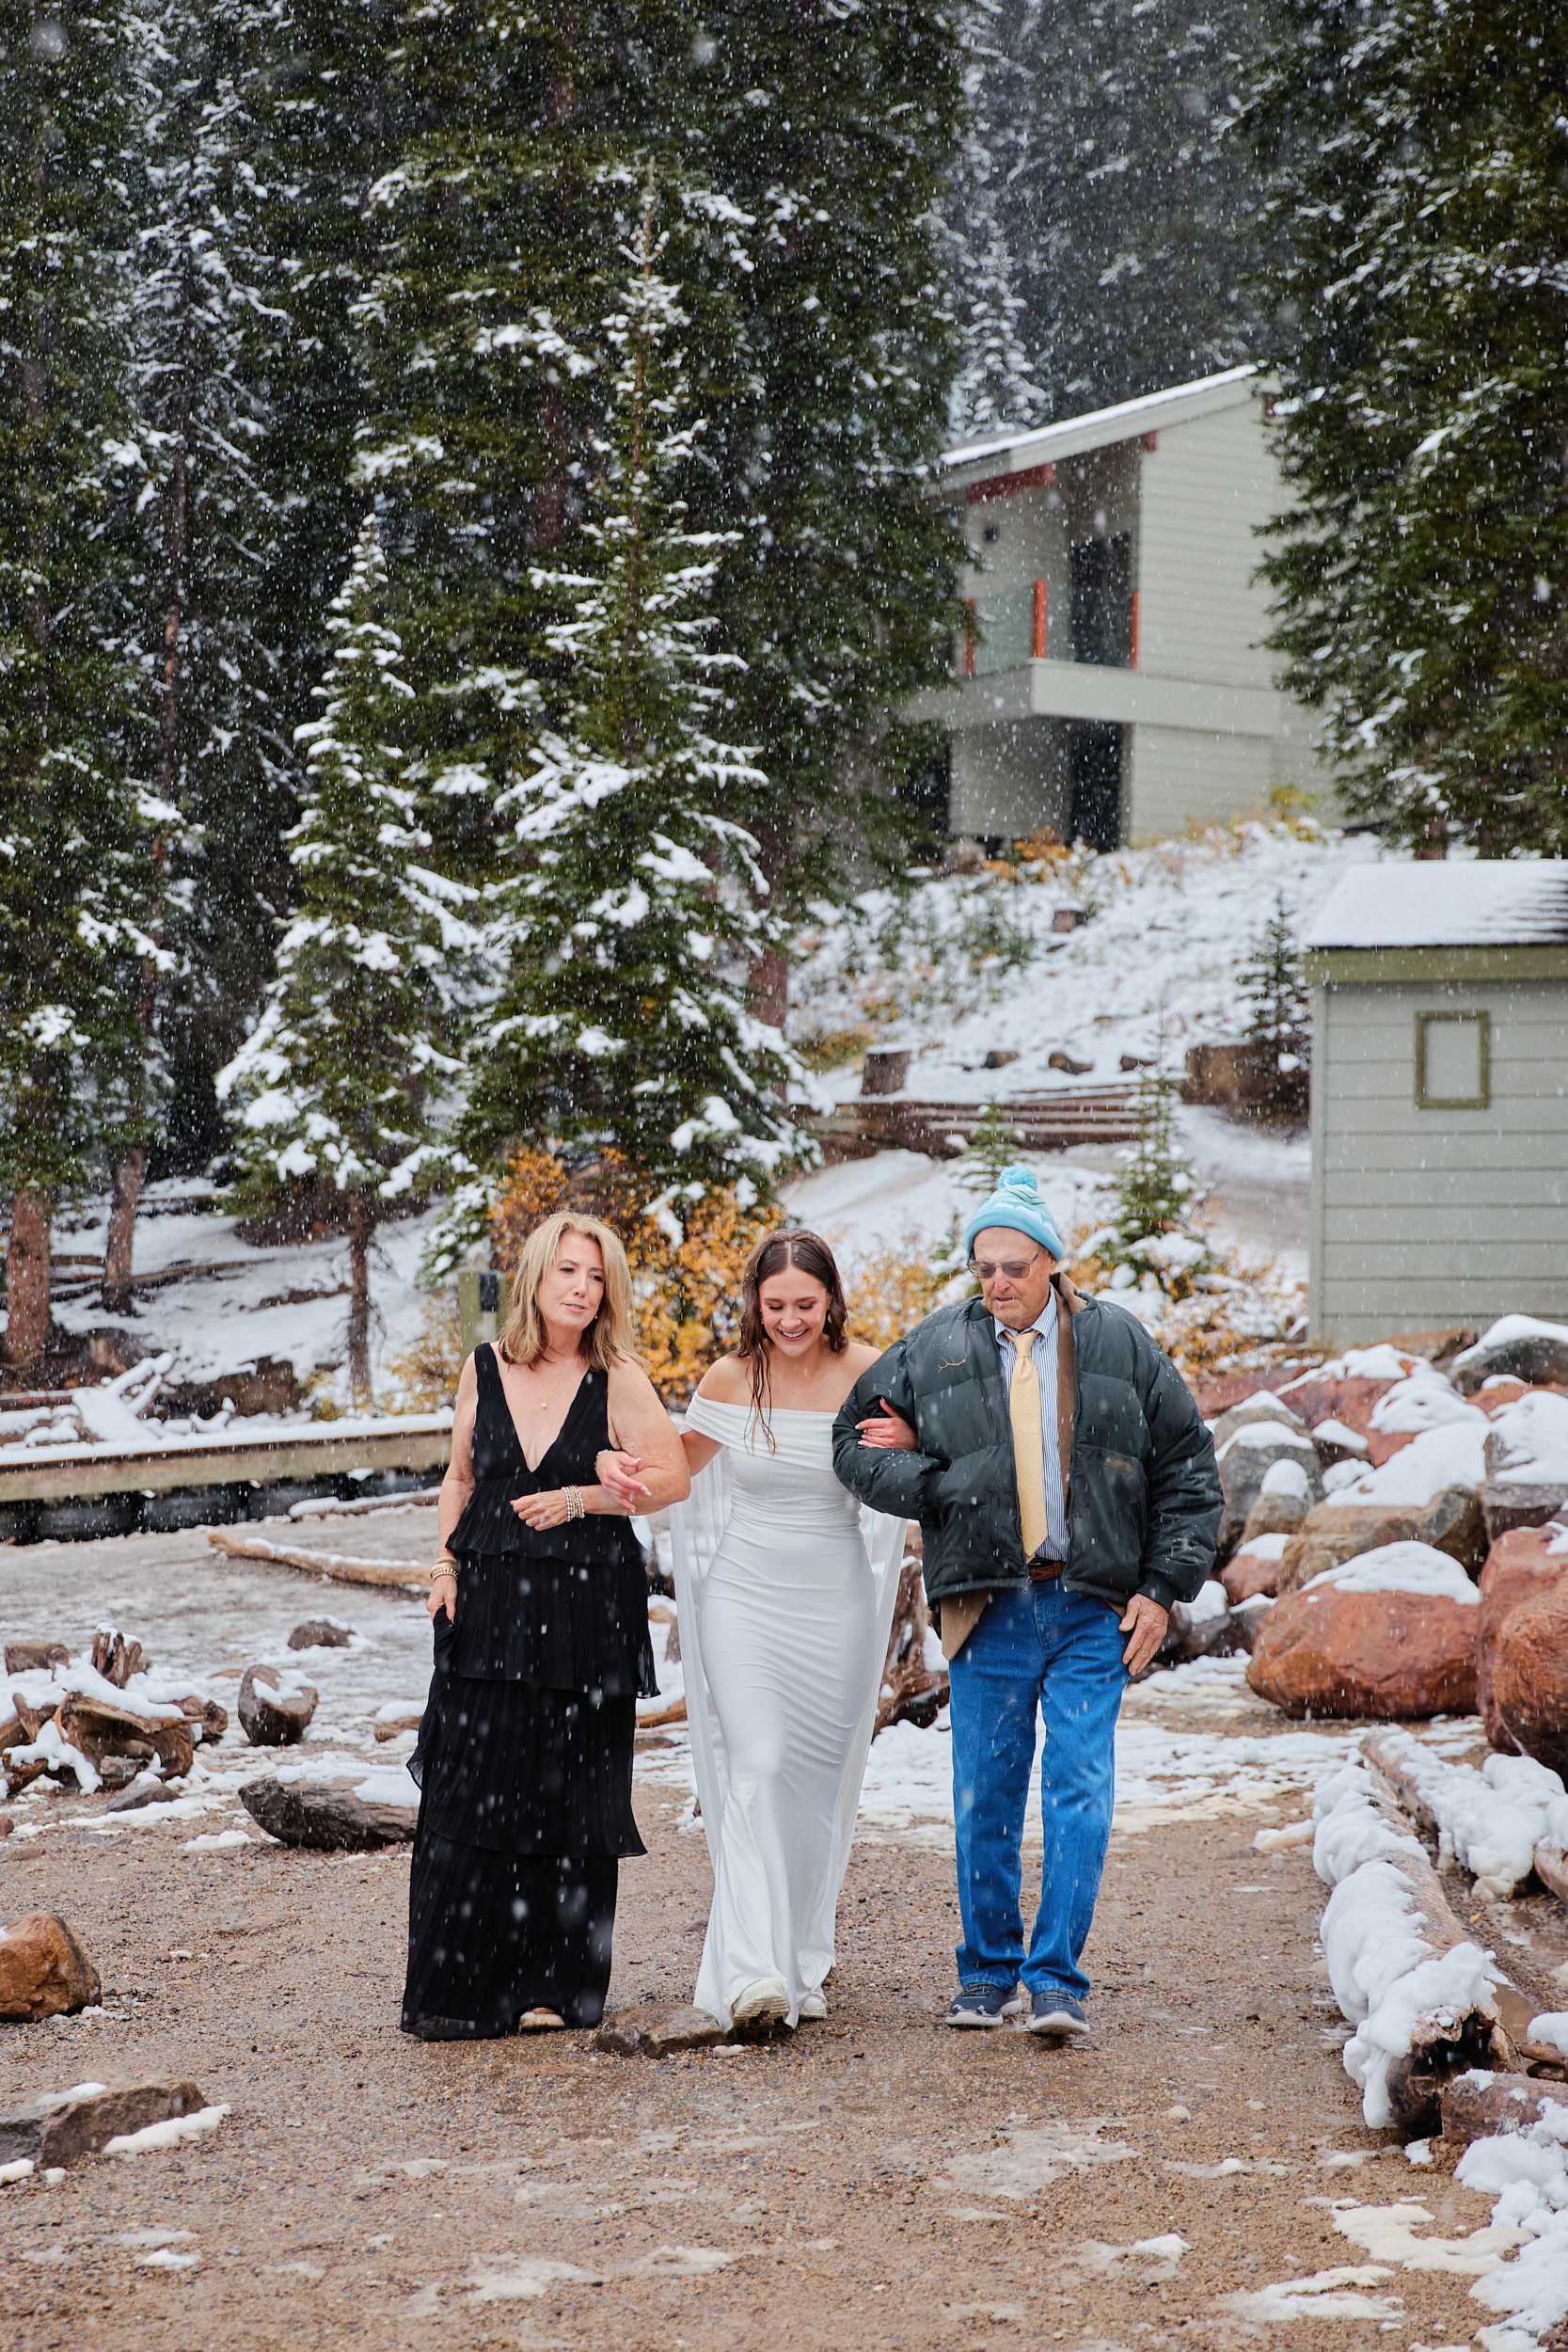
(1016, 1202)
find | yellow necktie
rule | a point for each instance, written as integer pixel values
(1023, 1405)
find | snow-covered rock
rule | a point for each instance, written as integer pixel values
(1527, 1441)
(1521, 1564)
(1390, 1633)
(1519, 1344)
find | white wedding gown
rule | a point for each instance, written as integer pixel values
(785, 1597)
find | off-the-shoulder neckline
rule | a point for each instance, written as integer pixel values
(796, 1412)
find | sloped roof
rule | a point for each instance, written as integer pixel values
(1072, 436)
(1446, 902)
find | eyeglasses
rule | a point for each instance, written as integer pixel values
(1015, 1269)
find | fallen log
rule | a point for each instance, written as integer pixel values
(393, 1575)
(115, 1659)
(329, 1819)
(674, 1713)
(1487, 2106)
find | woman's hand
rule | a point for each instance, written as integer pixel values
(443, 1595)
(887, 1429)
(545, 1510)
(617, 1475)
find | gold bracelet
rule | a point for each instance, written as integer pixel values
(446, 1565)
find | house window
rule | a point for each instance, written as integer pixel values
(1453, 1053)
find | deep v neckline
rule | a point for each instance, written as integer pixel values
(533, 1468)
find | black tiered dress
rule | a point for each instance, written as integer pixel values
(525, 1750)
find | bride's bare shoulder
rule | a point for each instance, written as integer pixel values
(726, 1382)
(857, 1357)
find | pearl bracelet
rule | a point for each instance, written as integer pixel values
(574, 1503)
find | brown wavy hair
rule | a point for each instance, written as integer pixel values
(811, 1255)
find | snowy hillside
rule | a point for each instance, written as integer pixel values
(970, 965)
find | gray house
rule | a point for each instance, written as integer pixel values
(1121, 688)
(1439, 1097)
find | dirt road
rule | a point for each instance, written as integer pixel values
(1198, 2175)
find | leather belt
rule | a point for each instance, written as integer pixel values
(1042, 1571)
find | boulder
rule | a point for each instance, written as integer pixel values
(1246, 1457)
(1519, 1344)
(329, 1818)
(1529, 1676)
(274, 1714)
(44, 1970)
(1520, 1564)
(1336, 1531)
(97, 1729)
(146, 1790)
(1336, 1442)
(1516, 1505)
(1262, 1406)
(1253, 1569)
(1204, 1628)
(655, 2032)
(1283, 1501)
(62, 2127)
(1347, 1390)
(1388, 1634)
(320, 1633)
(1479, 2105)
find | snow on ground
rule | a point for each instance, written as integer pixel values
(974, 966)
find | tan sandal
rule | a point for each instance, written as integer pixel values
(541, 2021)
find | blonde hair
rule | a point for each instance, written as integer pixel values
(610, 1337)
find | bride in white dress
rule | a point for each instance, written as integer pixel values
(790, 1638)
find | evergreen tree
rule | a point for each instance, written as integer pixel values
(1416, 152)
(340, 1084)
(833, 128)
(994, 390)
(1131, 225)
(1273, 983)
(74, 845)
(1153, 1200)
(630, 907)
(993, 1147)
(203, 530)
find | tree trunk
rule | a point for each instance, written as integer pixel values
(129, 1170)
(27, 1280)
(359, 1299)
(768, 980)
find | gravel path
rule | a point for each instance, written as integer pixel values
(1198, 2175)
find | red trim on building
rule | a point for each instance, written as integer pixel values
(1005, 486)
(1039, 620)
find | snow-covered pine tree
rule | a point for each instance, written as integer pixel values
(994, 390)
(1151, 1240)
(340, 1085)
(74, 846)
(1273, 983)
(1418, 299)
(833, 125)
(632, 904)
(1129, 225)
(204, 529)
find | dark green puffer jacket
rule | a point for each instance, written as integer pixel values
(1142, 1491)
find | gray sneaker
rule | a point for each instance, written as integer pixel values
(986, 2005)
(1054, 2012)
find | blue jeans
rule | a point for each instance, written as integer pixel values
(1034, 1647)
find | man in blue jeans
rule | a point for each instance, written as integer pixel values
(1067, 1494)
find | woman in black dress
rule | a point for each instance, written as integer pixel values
(540, 1609)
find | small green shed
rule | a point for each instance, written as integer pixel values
(1439, 1097)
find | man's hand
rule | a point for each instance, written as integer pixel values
(887, 1429)
(1145, 1621)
